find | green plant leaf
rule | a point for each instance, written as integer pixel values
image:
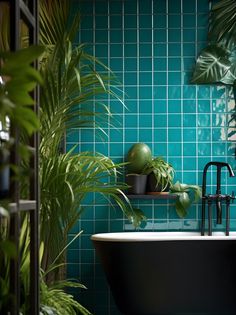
(213, 66)
(222, 22)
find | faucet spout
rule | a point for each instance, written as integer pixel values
(231, 173)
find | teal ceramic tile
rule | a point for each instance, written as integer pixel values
(101, 21)
(101, 148)
(204, 134)
(131, 135)
(174, 7)
(188, 63)
(189, 135)
(188, 7)
(160, 64)
(145, 7)
(160, 106)
(130, 78)
(146, 134)
(130, 21)
(116, 64)
(202, 20)
(174, 64)
(174, 21)
(203, 92)
(189, 35)
(130, 36)
(130, 64)
(116, 36)
(116, 50)
(160, 92)
(131, 93)
(204, 120)
(189, 49)
(115, 7)
(201, 35)
(159, 21)
(145, 92)
(130, 7)
(174, 135)
(145, 120)
(204, 149)
(189, 21)
(174, 106)
(160, 50)
(145, 64)
(189, 149)
(174, 78)
(189, 106)
(130, 50)
(115, 21)
(145, 21)
(174, 35)
(174, 49)
(145, 106)
(174, 92)
(160, 6)
(145, 50)
(145, 78)
(86, 22)
(160, 78)
(160, 149)
(160, 35)
(174, 149)
(160, 120)
(87, 36)
(189, 92)
(174, 120)
(160, 135)
(145, 35)
(101, 36)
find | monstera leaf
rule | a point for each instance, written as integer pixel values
(214, 65)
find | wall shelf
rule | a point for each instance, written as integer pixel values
(24, 205)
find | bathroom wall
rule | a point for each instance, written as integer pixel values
(151, 45)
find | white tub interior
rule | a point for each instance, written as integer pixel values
(160, 236)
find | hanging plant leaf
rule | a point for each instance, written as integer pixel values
(213, 66)
(222, 22)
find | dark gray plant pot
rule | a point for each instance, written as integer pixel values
(152, 185)
(137, 182)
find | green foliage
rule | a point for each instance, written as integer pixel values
(66, 180)
(216, 64)
(186, 195)
(163, 171)
(53, 298)
(21, 79)
(71, 85)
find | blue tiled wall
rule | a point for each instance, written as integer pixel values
(151, 45)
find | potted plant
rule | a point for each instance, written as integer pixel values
(138, 156)
(160, 175)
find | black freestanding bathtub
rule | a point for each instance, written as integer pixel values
(170, 273)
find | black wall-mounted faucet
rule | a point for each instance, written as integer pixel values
(217, 197)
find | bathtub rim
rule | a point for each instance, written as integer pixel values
(160, 236)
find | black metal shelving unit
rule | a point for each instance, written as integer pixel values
(26, 12)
